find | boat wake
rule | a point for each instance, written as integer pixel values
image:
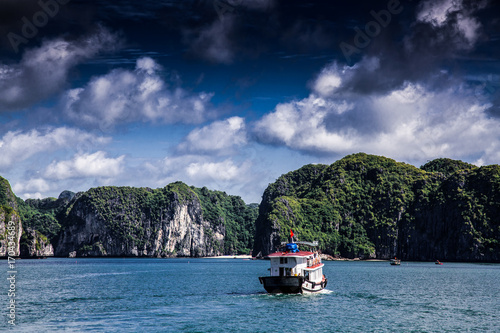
(321, 292)
(326, 291)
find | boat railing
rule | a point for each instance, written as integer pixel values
(313, 262)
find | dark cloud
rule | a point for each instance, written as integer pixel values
(43, 71)
(423, 43)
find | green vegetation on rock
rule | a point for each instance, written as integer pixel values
(237, 217)
(137, 218)
(374, 207)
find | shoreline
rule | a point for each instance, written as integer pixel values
(238, 256)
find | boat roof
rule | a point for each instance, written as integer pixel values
(291, 254)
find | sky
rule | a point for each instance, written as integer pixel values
(231, 94)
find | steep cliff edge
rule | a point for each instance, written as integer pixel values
(35, 244)
(166, 222)
(374, 207)
(10, 222)
(40, 223)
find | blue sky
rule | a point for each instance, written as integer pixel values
(230, 94)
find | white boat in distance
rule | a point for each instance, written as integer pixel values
(294, 271)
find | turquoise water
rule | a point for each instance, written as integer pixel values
(224, 295)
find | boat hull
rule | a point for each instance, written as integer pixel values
(290, 285)
(282, 284)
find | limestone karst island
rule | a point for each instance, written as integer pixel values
(362, 206)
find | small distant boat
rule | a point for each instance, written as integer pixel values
(395, 262)
(294, 271)
(438, 262)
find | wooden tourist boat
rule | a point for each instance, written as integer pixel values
(295, 271)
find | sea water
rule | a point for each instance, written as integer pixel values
(224, 295)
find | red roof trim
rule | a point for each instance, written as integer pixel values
(312, 268)
(290, 254)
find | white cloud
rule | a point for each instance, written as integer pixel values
(36, 184)
(302, 125)
(443, 14)
(43, 71)
(219, 137)
(17, 146)
(410, 124)
(201, 170)
(140, 95)
(333, 77)
(236, 174)
(86, 165)
(437, 12)
(225, 170)
(327, 83)
(36, 195)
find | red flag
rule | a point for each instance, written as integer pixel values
(291, 233)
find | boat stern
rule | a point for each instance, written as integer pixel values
(282, 284)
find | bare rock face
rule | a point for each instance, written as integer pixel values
(36, 244)
(267, 233)
(10, 222)
(139, 222)
(10, 231)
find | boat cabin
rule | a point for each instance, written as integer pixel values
(301, 263)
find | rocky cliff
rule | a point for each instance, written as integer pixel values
(10, 222)
(173, 221)
(373, 207)
(35, 244)
(40, 224)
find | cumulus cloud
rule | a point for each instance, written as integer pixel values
(43, 71)
(84, 165)
(134, 95)
(225, 170)
(302, 125)
(38, 185)
(327, 83)
(17, 146)
(201, 169)
(412, 123)
(334, 77)
(220, 137)
(225, 173)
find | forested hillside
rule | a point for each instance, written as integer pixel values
(374, 207)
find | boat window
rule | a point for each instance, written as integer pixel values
(282, 271)
(283, 260)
